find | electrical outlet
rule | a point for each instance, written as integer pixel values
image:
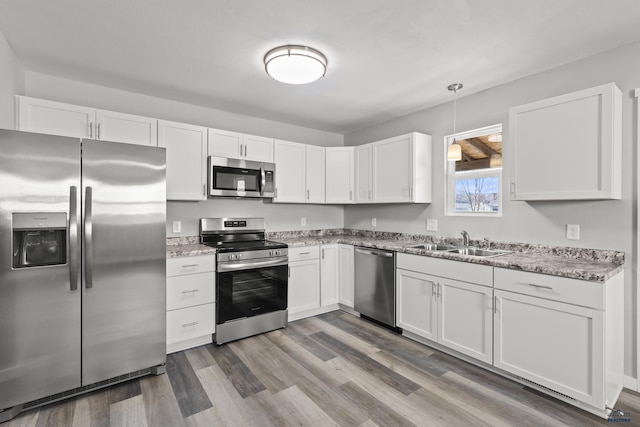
(432, 225)
(374, 222)
(303, 221)
(177, 226)
(573, 231)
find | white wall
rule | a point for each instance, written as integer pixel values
(603, 224)
(278, 217)
(11, 83)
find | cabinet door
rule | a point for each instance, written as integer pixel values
(346, 276)
(465, 318)
(126, 128)
(315, 174)
(329, 275)
(567, 147)
(290, 172)
(186, 147)
(223, 143)
(393, 170)
(363, 173)
(417, 303)
(339, 175)
(257, 148)
(556, 345)
(304, 286)
(54, 118)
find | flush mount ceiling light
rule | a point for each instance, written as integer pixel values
(454, 151)
(295, 64)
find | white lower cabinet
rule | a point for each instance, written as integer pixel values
(304, 281)
(346, 275)
(453, 313)
(575, 349)
(190, 301)
(329, 275)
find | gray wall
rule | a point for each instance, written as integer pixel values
(603, 224)
(11, 82)
(278, 217)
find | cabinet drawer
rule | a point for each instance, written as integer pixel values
(303, 253)
(188, 323)
(458, 270)
(189, 290)
(190, 265)
(562, 289)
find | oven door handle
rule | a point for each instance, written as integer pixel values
(252, 265)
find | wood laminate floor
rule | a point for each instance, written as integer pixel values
(330, 370)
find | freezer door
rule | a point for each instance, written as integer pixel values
(39, 305)
(124, 259)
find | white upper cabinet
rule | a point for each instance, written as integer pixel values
(290, 160)
(339, 181)
(57, 118)
(363, 184)
(127, 128)
(54, 118)
(315, 174)
(567, 147)
(299, 172)
(236, 145)
(186, 159)
(402, 169)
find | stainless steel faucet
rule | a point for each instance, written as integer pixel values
(465, 238)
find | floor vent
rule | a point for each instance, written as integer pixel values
(548, 389)
(84, 389)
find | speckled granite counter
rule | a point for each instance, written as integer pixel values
(575, 263)
(187, 246)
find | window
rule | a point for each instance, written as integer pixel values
(474, 182)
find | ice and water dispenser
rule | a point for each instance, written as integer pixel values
(39, 239)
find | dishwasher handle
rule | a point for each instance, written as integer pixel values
(374, 252)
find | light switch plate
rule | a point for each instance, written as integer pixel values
(573, 231)
(303, 221)
(374, 222)
(177, 226)
(432, 225)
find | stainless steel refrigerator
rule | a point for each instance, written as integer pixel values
(82, 265)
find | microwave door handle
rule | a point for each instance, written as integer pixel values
(88, 239)
(263, 181)
(73, 238)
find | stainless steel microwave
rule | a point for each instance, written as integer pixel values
(240, 178)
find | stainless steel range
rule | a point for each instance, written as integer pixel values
(252, 276)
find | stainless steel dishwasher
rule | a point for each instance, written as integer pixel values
(375, 285)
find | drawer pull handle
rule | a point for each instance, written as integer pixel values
(190, 291)
(189, 265)
(305, 253)
(535, 285)
(186, 325)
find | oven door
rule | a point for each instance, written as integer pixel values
(246, 290)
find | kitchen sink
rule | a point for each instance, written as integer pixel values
(478, 252)
(431, 246)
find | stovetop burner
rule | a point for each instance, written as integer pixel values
(245, 246)
(235, 234)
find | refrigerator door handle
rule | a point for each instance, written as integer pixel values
(73, 238)
(88, 239)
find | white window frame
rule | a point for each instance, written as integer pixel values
(450, 174)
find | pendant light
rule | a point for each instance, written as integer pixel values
(454, 151)
(295, 64)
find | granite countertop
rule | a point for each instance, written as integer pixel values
(187, 246)
(575, 263)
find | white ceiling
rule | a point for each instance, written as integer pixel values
(387, 58)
